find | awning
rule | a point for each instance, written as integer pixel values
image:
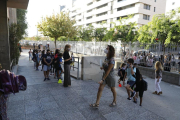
(20, 4)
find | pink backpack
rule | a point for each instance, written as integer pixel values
(11, 83)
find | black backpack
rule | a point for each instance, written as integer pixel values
(145, 85)
(137, 75)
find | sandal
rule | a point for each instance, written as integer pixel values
(94, 105)
(112, 104)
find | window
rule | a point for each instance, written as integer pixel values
(147, 7)
(98, 0)
(126, 7)
(88, 24)
(89, 17)
(154, 9)
(173, 3)
(121, 17)
(120, 0)
(89, 11)
(74, 11)
(154, 0)
(99, 22)
(146, 17)
(79, 20)
(102, 6)
(101, 14)
(89, 3)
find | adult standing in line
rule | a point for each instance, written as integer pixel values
(108, 76)
(34, 45)
(67, 62)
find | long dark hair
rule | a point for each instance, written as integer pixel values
(57, 51)
(111, 52)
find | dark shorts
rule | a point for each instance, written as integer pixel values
(131, 83)
(59, 68)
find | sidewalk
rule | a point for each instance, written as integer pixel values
(51, 101)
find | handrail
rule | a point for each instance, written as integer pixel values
(11, 65)
(94, 64)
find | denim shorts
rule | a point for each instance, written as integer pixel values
(131, 83)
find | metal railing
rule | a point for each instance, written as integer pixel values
(94, 64)
(76, 67)
(12, 64)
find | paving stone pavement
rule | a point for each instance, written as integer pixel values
(51, 101)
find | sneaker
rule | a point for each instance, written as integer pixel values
(44, 79)
(61, 78)
(154, 92)
(135, 101)
(129, 98)
(48, 79)
(133, 94)
(160, 92)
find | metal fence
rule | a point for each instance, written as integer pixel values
(97, 49)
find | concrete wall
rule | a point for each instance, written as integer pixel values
(91, 71)
(168, 77)
(4, 36)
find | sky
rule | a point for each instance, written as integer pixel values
(41, 8)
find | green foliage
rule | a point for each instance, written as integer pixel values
(164, 27)
(22, 24)
(85, 34)
(58, 25)
(16, 33)
(126, 31)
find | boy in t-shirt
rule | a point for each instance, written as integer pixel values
(47, 64)
(130, 72)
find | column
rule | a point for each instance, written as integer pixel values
(4, 36)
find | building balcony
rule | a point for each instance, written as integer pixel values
(125, 12)
(125, 3)
(96, 4)
(101, 10)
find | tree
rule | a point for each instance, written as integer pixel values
(164, 27)
(58, 25)
(16, 33)
(125, 31)
(99, 33)
(86, 33)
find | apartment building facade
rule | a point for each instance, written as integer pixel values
(95, 11)
(172, 5)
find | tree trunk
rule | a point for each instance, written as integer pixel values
(55, 43)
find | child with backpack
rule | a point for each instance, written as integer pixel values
(158, 78)
(130, 72)
(121, 73)
(141, 86)
(58, 63)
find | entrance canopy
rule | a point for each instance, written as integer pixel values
(20, 4)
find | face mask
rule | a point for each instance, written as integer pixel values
(69, 49)
(106, 51)
(128, 65)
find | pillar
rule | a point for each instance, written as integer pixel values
(4, 36)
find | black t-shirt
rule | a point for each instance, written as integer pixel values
(66, 56)
(48, 58)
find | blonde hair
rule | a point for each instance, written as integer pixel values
(66, 47)
(158, 65)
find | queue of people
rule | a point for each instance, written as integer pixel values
(52, 63)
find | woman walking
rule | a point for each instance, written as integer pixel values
(67, 62)
(158, 78)
(108, 76)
